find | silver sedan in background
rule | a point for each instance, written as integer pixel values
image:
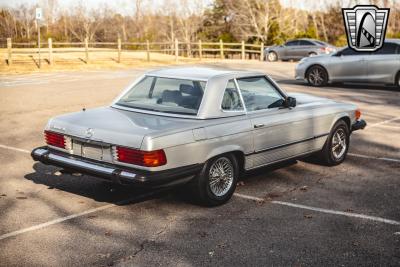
(347, 65)
(298, 49)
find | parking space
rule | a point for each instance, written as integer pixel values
(296, 213)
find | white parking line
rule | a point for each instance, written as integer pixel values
(59, 220)
(72, 216)
(247, 197)
(382, 122)
(335, 212)
(370, 157)
(15, 149)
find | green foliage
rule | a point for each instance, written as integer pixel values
(341, 41)
(216, 23)
(274, 33)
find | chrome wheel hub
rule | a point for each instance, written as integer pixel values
(339, 143)
(221, 176)
(271, 56)
(316, 76)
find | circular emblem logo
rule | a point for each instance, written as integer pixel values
(89, 132)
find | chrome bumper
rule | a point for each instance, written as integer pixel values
(358, 125)
(115, 173)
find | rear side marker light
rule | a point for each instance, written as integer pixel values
(357, 114)
(54, 139)
(142, 158)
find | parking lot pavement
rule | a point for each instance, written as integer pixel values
(296, 213)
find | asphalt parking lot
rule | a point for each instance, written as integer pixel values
(297, 214)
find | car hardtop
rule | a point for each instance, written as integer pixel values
(216, 82)
(202, 73)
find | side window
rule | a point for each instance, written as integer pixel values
(387, 49)
(259, 93)
(231, 100)
(291, 43)
(304, 42)
(349, 52)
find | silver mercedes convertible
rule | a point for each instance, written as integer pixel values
(200, 127)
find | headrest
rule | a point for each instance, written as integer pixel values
(189, 89)
(171, 96)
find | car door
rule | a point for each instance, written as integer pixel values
(384, 64)
(278, 132)
(289, 50)
(348, 65)
(304, 48)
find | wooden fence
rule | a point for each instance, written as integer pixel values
(176, 49)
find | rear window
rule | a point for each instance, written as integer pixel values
(168, 95)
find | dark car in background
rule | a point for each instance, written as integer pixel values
(346, 65)
(298, 49)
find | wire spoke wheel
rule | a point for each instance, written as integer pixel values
(221, 176)
(339, 143)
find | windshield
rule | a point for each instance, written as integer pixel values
(165, 95)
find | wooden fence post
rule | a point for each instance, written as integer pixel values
(221, 48)
(119, 49)
(9, 51)
(262, 52)
(243, 51)
(148, 50)
(50, 42)
(200, 50)
(176, 50)
(87, 50)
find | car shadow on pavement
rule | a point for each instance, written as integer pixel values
(86, 186)
(103, 191)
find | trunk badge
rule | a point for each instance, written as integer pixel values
(89, 133)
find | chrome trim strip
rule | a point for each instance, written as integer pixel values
(281, 160)
(287, 144)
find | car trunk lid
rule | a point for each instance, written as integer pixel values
(113, 126)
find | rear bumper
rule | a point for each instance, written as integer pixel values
(358, 125)
(115, 173)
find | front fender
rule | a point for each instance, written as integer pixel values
(343, 114)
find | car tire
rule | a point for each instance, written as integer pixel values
(272, 56)
(317, 76)
(210, 187)
(336, 146)
(397, 81)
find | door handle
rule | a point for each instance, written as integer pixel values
(258, 125)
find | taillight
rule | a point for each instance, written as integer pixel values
(138, 157)
(357, 113)
(327, 50)
(54, 139)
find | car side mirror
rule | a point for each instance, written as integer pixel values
(290, 102)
